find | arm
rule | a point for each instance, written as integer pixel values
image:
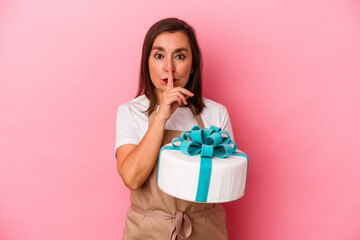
(135, 162)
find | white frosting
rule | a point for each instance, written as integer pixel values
(178, 176)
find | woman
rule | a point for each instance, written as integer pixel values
(169, 101)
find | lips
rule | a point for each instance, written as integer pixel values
(166, 80)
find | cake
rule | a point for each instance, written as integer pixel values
(200, 166)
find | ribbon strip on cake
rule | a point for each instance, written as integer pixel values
(206, 142)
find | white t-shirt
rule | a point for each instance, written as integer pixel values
(132, 123)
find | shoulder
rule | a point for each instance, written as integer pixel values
(131, 122)
(134, 110)
(214, 113)
(217, 114)
(212, 106)
(140, 103)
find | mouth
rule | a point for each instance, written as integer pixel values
(166, 79)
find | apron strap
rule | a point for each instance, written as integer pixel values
(182, 220)
(199, 121)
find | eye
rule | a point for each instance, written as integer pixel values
(158, 55)
(180, 56)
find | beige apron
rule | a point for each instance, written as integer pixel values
(156, 215)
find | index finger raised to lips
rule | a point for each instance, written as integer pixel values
(170, 83)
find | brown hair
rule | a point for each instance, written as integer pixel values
(194, 84)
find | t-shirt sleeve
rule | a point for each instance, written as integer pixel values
(226, 123)
(126, 128)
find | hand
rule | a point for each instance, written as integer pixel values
(172, 98)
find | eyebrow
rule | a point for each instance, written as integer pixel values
(162, 49)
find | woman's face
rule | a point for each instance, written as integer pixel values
(170, 53)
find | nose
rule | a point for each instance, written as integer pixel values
(169, 66)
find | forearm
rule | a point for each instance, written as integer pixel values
(138, 164)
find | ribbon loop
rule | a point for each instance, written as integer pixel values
(176, 142)
(217, 129)
(225, 138)
(214, 139)
(190, 148)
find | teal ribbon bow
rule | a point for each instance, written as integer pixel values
(206, 142)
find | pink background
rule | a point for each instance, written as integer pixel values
(288, 72)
